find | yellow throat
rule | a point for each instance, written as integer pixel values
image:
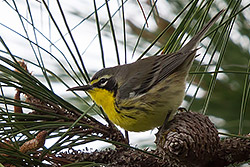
(106, 100)
(103, 98)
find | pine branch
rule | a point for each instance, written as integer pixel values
(190, 140)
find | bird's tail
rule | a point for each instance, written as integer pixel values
(194, 41)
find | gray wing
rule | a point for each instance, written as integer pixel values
(148, 72)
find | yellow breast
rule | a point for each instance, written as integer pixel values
(106, 100)
(131, 119)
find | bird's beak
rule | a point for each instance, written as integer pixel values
(83, 88)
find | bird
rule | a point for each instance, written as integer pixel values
(141, 95)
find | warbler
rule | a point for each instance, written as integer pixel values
(139, 96)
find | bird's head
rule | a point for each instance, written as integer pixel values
(102, 85)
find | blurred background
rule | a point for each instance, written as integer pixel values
(219, 80)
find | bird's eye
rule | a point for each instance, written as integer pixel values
(103, 82)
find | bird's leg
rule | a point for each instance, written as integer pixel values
(163, 127)
(126, 136)
(166, 121)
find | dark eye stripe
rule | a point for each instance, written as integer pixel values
(100, 83)
(103, 80)
(110, 85)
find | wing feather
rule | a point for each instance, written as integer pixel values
(150, 71)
